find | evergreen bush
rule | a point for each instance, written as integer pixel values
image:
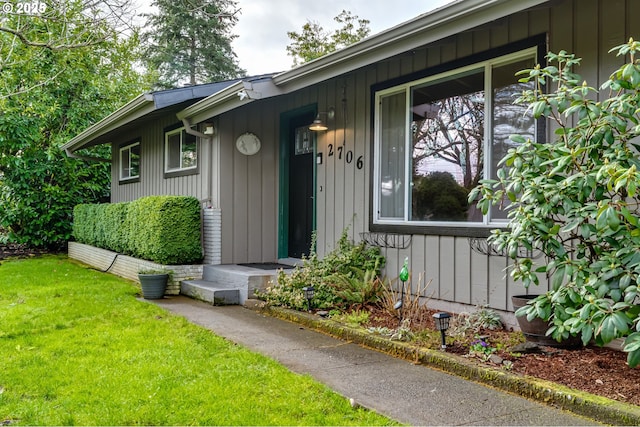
(163, 229)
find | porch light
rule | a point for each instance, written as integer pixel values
(442, 324)
(308, 291)
(318, 124)
(209, 129)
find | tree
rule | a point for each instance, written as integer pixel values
(189, 41)
(56, 25)
(577, 200)
(49, 94)
(314, 42)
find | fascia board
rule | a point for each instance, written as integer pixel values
(427, 28)
(229, 99)
(133, 110)
(200, 108)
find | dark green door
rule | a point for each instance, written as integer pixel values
(301, 187)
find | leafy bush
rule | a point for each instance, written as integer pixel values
(576, 200)
(163, 229)
(344, 277)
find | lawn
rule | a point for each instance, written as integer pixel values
(78, 348)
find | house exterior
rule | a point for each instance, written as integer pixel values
(416, 115)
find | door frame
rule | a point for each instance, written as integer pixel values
(283, 200)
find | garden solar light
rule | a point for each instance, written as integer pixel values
(442, 324)
(309, 291)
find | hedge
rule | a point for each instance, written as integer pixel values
(162, 229)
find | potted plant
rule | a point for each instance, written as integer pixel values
(153, 283)
(534, 328)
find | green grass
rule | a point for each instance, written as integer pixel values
(78, 348)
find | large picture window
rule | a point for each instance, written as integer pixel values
(181, 152)
(129, 161)
(437, 137)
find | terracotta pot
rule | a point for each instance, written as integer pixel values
(535, 330)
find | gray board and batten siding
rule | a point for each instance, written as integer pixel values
(246, 188)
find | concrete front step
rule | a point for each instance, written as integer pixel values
(210, 292)
(216, 279)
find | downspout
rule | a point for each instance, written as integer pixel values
(209, 138)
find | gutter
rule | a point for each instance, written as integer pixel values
(138, 107)
(232, 97)
(73, 155)
(440, 23)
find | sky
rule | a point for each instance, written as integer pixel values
(263, 24)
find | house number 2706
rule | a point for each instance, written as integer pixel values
(348, 156)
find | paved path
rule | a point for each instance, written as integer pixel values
(409, 393)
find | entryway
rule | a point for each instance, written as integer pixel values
(297, 183)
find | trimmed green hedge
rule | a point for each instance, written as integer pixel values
(163, 229)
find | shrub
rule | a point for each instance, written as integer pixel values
(163, 229)
(576, 200)
(338, 278)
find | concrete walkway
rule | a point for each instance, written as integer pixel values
(408, 393)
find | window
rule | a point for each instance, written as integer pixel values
(181, 152)
(130, 161)
(437, 137)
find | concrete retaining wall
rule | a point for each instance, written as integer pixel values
(128, 267)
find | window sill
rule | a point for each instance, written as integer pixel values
(124, 181)
(183, 172)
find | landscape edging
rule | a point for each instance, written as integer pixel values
(579, 402)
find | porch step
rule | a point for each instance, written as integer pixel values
(228, 283)
(210, 292)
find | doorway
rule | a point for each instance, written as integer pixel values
(297, 184)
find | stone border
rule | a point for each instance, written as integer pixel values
(595, 407)
(128, 267)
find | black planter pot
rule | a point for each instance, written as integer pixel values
(535, 330)
(153, 285)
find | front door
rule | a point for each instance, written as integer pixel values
(301, 187)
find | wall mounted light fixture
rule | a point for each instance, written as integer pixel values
(318, 124)
(208, 129)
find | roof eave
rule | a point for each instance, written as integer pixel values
(134, 109)
(241, 93)
(424, 29)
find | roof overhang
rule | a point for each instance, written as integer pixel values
(232, 97)
(135, 109)
(448, 20)
(141, 107)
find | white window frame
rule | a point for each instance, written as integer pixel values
(121, 165)
(181, 131)
(488, 129)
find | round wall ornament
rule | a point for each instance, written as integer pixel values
(248, 144)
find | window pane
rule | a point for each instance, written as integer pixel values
(189, 151)
(392, 155)
(134, 155)
(304, 140)
(124, 163)
(173, 151)
(508, 118)
(447, 125)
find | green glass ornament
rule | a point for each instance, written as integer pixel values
(404, 272)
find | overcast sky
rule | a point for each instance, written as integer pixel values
(263, 24)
